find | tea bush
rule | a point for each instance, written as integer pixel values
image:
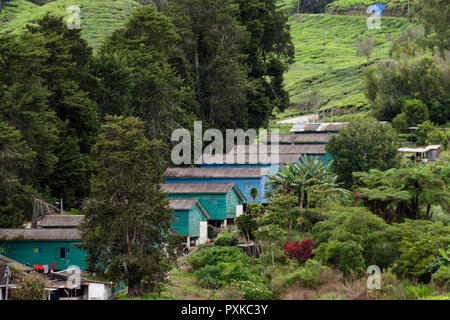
(311, 275)
(227, 239)
(213, 255)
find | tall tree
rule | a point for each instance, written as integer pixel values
(213, 40)
(160, 94)
(28, 121)
(269, 52)
(65, 71)
(127, 225)
(16, 158)
(365, 144)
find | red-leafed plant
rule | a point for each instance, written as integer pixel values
(300, 251)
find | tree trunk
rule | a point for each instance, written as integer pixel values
(273, 260)
(134, 287)
(428, 212)
(416, 207)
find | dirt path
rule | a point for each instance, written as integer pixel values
(304, 119)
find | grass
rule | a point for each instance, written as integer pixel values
(183, 286)
(99, 18)
(15, 7)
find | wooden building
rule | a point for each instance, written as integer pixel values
(244, 178)
(43, 249)
(191, 219)
(221, 200)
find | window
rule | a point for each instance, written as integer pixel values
(213, 201)
(60, 253)
(37, 250)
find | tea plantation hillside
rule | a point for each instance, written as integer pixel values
(325, 44)
(326, 58)
(99, 18)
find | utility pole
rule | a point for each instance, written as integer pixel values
(62, 208)
(7, 274)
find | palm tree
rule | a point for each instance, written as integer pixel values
(404, 191)
(425, 188)
(254, 194)
(306, 176)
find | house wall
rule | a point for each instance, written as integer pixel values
(195, 217)
(24, 251)
(233, 200)
(181, 224)
(98, 291)
(215, 204)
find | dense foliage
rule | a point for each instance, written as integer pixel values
(127, 225)
(364, 144)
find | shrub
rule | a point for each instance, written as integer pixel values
(353, 238)
(311, 275)
(442, 278)
(212, 232)
(213, 255)
(251, 289)
(227, 239)
(216, 266)
(300, 251)
(254, 289)
(247, 225)
(224, 273)
(418, 243)
(229, 292)
(208, 276)
(309, 217)
(417, 292)
(31, 287)
(346, 256)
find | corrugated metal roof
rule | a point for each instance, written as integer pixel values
(197, 187)
(187, 204)
(174, 188)
(264, 154)
(319, 137)
(61, 221)
(183, 204)
(40, 234)
(297, 149)
(215, 172)
(15, 264)
(254, 159)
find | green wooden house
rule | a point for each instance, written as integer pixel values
(220, 200)
(189, 215)
(55, 247)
